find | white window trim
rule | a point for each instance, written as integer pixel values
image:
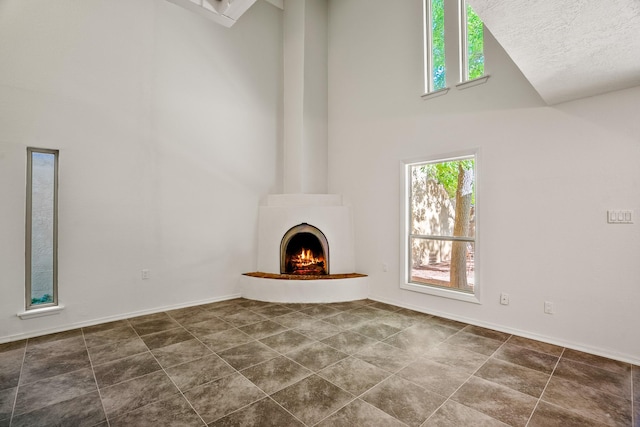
(429, 91)
(465, 82)
(54, 304)
(462, 31)
(405, 222)
(472, 83)
(40, 312)
(435, 94)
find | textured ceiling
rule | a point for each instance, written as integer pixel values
(568, 49)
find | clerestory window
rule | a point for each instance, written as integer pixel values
(444, 35)
(435, 66)
(472, 46)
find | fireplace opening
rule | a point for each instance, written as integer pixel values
(304, 250)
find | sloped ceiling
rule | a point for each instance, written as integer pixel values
(223, 12)
(568, 49)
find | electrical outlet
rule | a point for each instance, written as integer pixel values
(145, 274)
(548, 307)
(504, 299)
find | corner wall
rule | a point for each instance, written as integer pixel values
(168, 128)
(546, 178)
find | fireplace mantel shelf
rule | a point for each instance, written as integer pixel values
(303, 277)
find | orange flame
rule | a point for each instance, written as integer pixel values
(305, 258)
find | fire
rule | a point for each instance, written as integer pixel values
(305, 258)
(306, 262)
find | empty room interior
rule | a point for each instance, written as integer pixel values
(319, 212)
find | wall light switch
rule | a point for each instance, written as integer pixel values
(620, 216)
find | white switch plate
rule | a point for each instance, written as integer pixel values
(620, 216)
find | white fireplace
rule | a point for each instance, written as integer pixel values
(324, 212)
(305, 173)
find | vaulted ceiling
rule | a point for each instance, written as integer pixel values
(568, 49)
(223, 12)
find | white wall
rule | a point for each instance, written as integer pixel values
(545, 181)
(168, 127)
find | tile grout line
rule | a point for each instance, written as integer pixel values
(266, 395)
(129, 379)
(240, 373)
(340, 408)
(150, 373)
(356, 397)
(588, 386)
(15, 398)
(467, 380)
(634, 421)
(564, 353)
(169, 376)
(93, 372)
(390, 374)
(280, 354)
(545, 386)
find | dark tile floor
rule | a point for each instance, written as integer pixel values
(362, 363)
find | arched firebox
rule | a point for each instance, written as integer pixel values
(304, 250)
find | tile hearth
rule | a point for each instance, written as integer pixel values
(360, 363)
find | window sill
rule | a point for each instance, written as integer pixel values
(40, 312)
(440, 292)
(472, 83)
(435, 94)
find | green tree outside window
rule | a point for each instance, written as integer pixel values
(475, 45)
(438, 69)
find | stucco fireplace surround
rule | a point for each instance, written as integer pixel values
(323, 215)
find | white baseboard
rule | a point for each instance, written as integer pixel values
(568, 344)
(107, 319)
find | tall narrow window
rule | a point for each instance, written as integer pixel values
(436, 78)
(472, 46)
(41, 228)
(441, 227)
(444, 30)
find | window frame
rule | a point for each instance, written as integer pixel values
(463, 27)
(405, 253)
(454, 39)
(427, 27)
(29, 306)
